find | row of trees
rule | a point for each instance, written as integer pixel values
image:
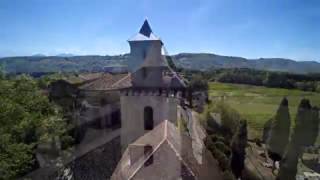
(226, 141)
(305, 82)
(27, 119)
(286, 146)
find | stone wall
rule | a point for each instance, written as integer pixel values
(132, 114)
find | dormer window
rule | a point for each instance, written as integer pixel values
(148, 150)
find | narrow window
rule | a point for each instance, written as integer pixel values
(148, 118)
(144, 54)
(148, 150)
(144, 72)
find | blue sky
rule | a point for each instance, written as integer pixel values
(247, 28)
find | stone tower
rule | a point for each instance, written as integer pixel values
(155, 90)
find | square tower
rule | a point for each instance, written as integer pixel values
(155, 91)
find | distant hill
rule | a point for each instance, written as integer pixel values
(38, 55)
(199, 61)
(206, 61)
(65, 55)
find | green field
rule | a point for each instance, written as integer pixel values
(258, 104)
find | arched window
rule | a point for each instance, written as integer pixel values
(148, 118)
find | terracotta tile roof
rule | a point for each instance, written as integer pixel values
(108, 82)
(90, 76)
(82, 78)
(125, 82)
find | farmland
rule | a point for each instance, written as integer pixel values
(258, 104)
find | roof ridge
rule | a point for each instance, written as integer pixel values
(165, 129)
(180, 158)
(143, 162)
(165, 139)
(117, 82)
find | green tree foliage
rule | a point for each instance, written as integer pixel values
(27, 118)
(220, 135)
(44, 81)
(266, 130)
(238, 147)
(219, 150)
(230, 118)
(305, 82)
(241, 76)
(288, 165)
(303, 125)
(198, 83)
(277, 80)
(225, 123)
(227, 175)
(280, 131)
(303, 135)
(314, 127)
(2, 72)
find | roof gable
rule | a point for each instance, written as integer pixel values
(172, 150)
(108, 82)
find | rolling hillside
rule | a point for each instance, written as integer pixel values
(207, 61)
(200, 61)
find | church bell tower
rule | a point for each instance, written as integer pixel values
(155, 90)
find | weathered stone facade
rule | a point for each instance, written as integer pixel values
(132, 113)
(155, 91)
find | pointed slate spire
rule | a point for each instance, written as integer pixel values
(145, 29)
(145, 33)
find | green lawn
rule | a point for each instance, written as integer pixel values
(257, 104)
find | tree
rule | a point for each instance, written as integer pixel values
(2, 72)
(238, 147)
(303, 125)
(227, 175)
(197, 82)
(220, 136)
(279, 133)
(299, 139)
(266, 131)
(288, 165)
(218, 149)
(27, 118)
(314, 127)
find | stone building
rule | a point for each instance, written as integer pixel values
(155, 90)
(150, 101)
(165, 153)
(153, 147)
(100, 101)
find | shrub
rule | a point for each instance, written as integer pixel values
(66, 142)
(227, 175)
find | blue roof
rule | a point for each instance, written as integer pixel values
(145, 33)
(145, 29)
